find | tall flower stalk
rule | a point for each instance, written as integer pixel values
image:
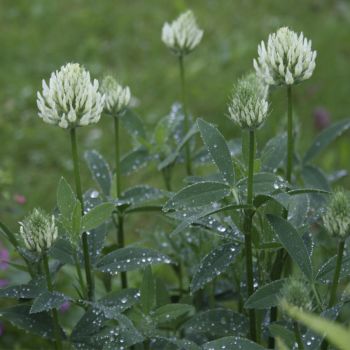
(38, 232)
(84, 238)
(182, 36)
(286, 59)
(117, 99)
(248, 108)
(71, 100)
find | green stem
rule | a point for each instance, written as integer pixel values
(85, 244)
(80, 276)
(290, 145)
(340, 254)
(118, 187)
(247, 226)
(298, 336)
(186, 120)
(58, 341)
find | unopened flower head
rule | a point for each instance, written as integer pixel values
(286, 59)
(70, 99)
(337, 217)
(248, 106)
(296, 292)
(117, 97)
(38, 231)
(183, 34)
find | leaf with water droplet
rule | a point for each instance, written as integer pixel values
(47, 301)
(218, 149)
(214, 264)
(130, 258)
(232, 343)
(25, 291)
(100, 170)
(96, 216)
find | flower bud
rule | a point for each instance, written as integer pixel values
(248, 106)
(286, 59)
(117, 97)
(296, 292)
(183, 34)
(336, 220)
(70, 99)
(38, 231)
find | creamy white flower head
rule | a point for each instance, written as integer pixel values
(117, 97)
(248, 106)
(337, 217)
(38, 231)
(183, 34)
(286, 59)
(70, 99)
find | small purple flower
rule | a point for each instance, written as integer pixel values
(65, 306)
(1, 329)
(20, 199)
(322, 118)
(4, 258)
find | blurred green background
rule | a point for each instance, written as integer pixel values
(122, 37)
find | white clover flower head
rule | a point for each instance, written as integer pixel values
(248, 106)
(296, 292)
(336, 219)
(183, 34)
(117, 97)
(38, 231)
(70, 99)
(287, 58)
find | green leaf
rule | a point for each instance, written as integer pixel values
(214, 264)
(171, 312)
(199, 194)
(66, 199)
(133, 124)
(8, 234)
(293, 243)
(181, 344)
(335, 333)
(76, 222)
(141, 194)
(130, 258)
(100, 171)
(232, 343)
(326, 272)
(40, 324)
(97, 216)
(266, 296)
(216, 323)
(314, 178)
(218, 149)
(47, 301)
(148, 291)
(281, 332)
(62, 250)
(134, 160)
(325, 138)
(274, 153)
(25, 291)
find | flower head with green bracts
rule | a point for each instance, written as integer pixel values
(336, 220)
(248, 106)
(38, 231)
(296, 292)
(71, 98)
(286, 59)
(117, 97)
(183, 34)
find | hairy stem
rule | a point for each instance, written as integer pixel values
(58, 341)
(118, 187)
(85, 244)
(247, 226)
(336, 275)
(290, 145)
(186, 121)
(298, 336)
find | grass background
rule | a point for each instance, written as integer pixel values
(122, 37)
